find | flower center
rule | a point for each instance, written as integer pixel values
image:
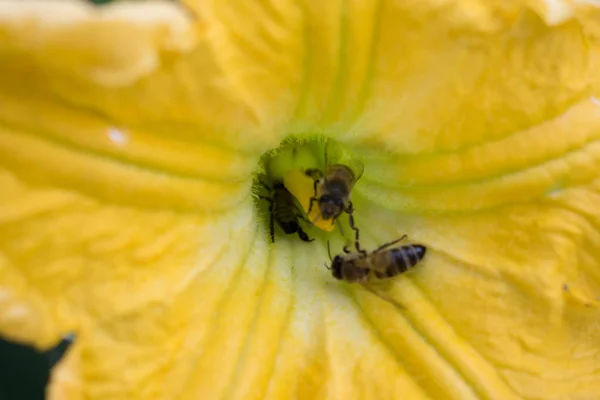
(297, 195)
(305, 195)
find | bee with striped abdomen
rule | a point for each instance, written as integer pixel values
(381, 263)
(284, 210)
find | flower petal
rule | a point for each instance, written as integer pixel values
(70, 42)
(518, 285)
(519, 168)
(163, 53)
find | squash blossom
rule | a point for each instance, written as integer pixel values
(130, 138)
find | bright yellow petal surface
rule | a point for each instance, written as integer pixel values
(128, 138)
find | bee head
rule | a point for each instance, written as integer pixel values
(330, 207)
(419, 250)
(336, 267)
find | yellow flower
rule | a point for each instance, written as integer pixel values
(129, 135)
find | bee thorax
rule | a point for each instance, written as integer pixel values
(337, 188)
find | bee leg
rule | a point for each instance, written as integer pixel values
(303, 235)
(265, 185)
(346, 250)
(314, 198)
(271, 222)
(350, 211)
(383, 246)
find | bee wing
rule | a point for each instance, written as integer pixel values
(335, 154)
(358, 168)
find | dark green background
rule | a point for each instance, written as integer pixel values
(24, 371)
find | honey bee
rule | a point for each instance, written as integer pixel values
(283, 210)
(334, 187)
(381, 263)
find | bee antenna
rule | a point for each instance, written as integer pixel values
(329, 251)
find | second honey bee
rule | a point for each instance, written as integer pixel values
(332, 189)
(381, 263)
(283, 210)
